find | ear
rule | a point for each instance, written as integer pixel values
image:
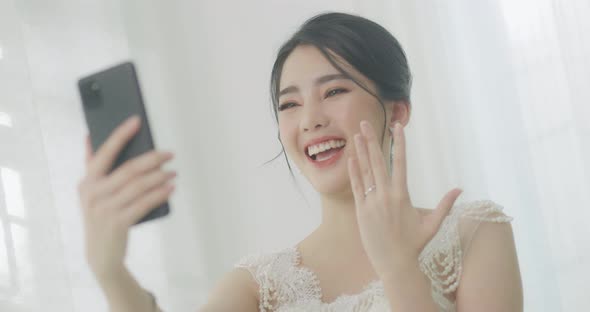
(398, 111)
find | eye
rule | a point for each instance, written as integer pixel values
(335, 91)
(285, 106)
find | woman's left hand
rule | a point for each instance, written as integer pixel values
(392, 231)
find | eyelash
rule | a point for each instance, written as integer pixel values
(284, 106)
(337, 89)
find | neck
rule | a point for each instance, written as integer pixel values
(339, 228)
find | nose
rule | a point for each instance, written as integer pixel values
(313, 117)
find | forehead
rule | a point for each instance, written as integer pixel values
(307, 62)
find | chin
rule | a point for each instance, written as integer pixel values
(332, 184)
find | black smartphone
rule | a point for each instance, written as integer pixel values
(109, 97)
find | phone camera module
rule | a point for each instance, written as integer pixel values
(91, 92)
(95, 87)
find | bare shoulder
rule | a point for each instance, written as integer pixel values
(235, 291)
(491, 283)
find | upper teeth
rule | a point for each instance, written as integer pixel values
(324, 146)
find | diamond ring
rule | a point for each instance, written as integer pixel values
(372, 188)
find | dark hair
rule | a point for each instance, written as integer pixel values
(364, 44)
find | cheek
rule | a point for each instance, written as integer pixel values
(359, 108)
(352, 112)
(288, 135)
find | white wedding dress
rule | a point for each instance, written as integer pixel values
(286, 286)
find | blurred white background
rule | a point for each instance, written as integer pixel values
(500, 108)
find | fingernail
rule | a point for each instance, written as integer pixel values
(357, 139)
(133, 120)
(169, 155)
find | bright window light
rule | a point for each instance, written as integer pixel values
(5, 120)
(11, 182)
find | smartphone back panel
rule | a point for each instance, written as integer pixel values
(109, 97)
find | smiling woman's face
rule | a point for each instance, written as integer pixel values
(317, 102)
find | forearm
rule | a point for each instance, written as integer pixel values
(124, 294)
(409, 289)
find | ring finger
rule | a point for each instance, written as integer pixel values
(363, 160)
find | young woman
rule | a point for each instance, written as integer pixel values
(341, 96)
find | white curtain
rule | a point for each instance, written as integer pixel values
(500, 108)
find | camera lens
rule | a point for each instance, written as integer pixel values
(95, 87)
(91, 94)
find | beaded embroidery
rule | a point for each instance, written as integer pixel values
(285, 286)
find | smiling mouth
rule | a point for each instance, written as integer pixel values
(324, 155)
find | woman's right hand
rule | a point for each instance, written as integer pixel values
(112, 203)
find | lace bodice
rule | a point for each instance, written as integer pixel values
(287, 286)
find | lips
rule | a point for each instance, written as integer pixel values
(320, 140)
(335, 155)
(327, 163)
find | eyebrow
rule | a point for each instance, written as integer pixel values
(318, 81)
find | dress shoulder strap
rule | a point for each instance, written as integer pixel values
(442, 258)
(273, 272)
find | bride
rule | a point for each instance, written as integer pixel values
(341, 96)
